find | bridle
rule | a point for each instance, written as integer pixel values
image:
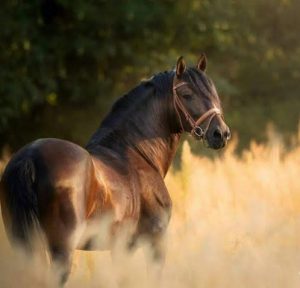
(196, 130)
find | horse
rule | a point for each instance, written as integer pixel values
(65, 190)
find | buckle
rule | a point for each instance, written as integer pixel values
(198, 132)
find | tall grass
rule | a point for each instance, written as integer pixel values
(236, 223)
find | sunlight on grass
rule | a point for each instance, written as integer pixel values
(235, 223)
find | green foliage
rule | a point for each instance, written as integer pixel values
(57, 54)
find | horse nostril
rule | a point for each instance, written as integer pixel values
(217, 134)
(227, 134)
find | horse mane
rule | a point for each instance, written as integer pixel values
(125, 108)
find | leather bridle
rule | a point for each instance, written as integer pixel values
(196, 130)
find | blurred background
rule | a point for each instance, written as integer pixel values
(63, 62)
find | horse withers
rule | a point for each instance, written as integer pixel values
(68, 191)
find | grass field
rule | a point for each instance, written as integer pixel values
(236, 223)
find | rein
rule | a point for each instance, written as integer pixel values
(196, 130)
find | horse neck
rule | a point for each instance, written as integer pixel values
(147, 132)
(154, 139)
(158, 153)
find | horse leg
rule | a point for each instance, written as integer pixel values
(63, 227)
(157, 257)
(62, 259)
(123, 246)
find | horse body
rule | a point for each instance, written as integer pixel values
(86, 198)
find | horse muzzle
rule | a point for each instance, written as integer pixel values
(218, 138)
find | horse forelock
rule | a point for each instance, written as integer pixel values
(203, 83)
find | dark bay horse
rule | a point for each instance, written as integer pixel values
(66, 190)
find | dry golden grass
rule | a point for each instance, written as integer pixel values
(236, 223)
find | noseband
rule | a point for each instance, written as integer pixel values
(196, 130)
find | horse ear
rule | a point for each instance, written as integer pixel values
(202, 62)
(180, 66)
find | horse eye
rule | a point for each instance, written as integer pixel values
(187, 96)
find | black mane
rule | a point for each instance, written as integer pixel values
(129, 107)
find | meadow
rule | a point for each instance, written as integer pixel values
(235, 223)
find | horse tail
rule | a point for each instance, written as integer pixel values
(20, 200)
